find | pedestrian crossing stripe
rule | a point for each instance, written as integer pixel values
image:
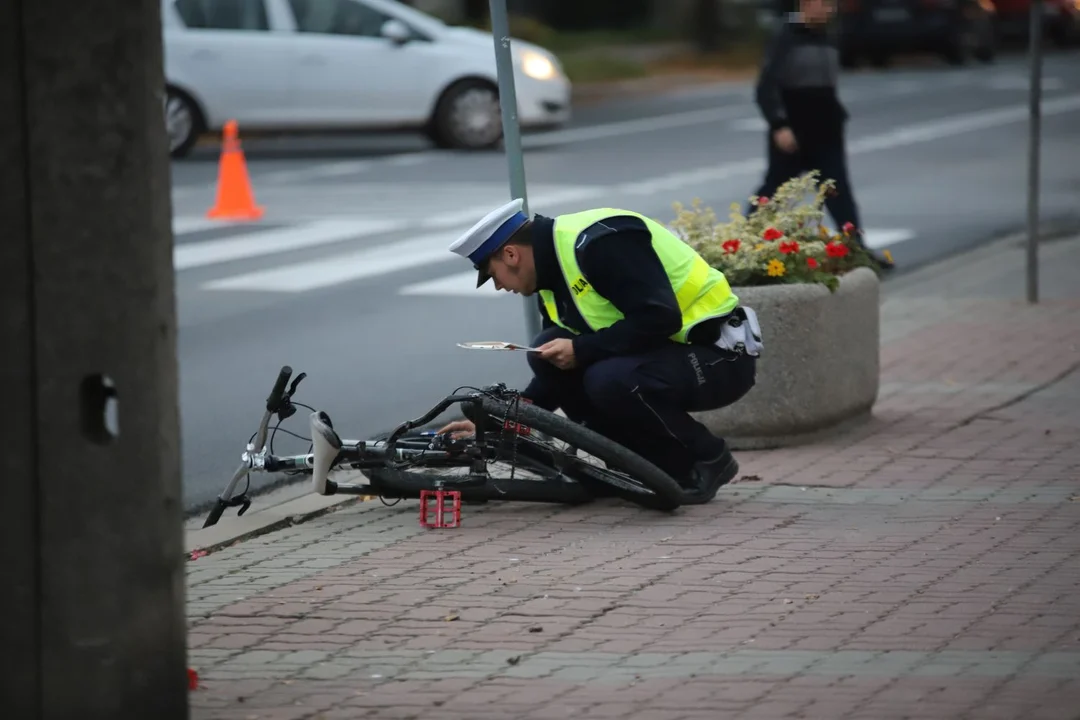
(277, 240)
(459, 284)
(255, 241)
(881, 239)
(342, 268)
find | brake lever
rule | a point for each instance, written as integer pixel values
(295, 382)
(241, 501)
(287, 409)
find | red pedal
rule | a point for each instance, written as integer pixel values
(441, 511)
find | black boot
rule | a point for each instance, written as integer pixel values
(707, 477)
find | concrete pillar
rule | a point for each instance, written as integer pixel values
(91, 551)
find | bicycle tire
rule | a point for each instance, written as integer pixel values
(667, 494)
(407, 483)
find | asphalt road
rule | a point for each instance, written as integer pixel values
(348, 279)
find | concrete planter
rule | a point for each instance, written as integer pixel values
(819, 368)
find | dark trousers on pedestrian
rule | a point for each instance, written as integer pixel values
(829, 157)
(643, 401)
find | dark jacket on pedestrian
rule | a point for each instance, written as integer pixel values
(797, 86)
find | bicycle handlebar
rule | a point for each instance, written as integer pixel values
(274, 401)
(277, 402)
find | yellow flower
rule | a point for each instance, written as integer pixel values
(775, 268)
(888, 255)
(759, 246)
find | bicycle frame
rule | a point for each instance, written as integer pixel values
(329, 451)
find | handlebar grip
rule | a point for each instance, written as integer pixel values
(274, 401)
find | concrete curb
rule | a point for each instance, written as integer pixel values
(232, 529)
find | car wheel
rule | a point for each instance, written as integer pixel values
(468, 117)
(183, 122)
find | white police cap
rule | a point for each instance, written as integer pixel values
(485, 237)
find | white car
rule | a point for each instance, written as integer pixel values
(321, 65)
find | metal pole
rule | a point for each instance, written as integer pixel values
(504, 65)
(1033, 151)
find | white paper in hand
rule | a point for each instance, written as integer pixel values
(495, 345)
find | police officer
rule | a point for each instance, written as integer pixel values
(636, 332)
(796, 92)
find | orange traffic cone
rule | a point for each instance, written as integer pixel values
(235, 200)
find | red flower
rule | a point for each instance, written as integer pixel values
(731, 246)
(812, 263)
(192, 679)
(849, 228)
(835, 249)
(763, 201)
(772, 233)
(789, 247)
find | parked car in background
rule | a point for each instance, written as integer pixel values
(365, 65)
(1061, 20)
(875, 30)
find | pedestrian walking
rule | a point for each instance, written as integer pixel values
(797, 94)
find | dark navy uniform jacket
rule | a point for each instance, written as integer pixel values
(797, 84)
(619, 262)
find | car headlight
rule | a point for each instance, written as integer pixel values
(537, 66)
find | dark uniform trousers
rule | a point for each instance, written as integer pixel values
(643, 401)
(826, 155)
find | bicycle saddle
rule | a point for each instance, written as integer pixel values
(326, 445)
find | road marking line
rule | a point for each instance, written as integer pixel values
(348, 167)
(886, 238)
(633, 127)
(371, 262)
(751, 123)
(184, 224)
(905, 87)
(1016, 82)
(900, 137)
(414, 253)
(323, 232)
(461, 284)
(409, 159)
(353, 167)
(468, 216)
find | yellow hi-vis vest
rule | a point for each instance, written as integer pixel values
(701, 290)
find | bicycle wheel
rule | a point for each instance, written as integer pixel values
(539, 470)
(625, 473)
(523, 481)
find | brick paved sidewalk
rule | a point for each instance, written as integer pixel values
(924, 566)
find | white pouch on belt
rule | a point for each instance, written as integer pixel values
(742, 333)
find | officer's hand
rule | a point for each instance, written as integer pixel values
(559, 352)
(785, 140)
(458, 429)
